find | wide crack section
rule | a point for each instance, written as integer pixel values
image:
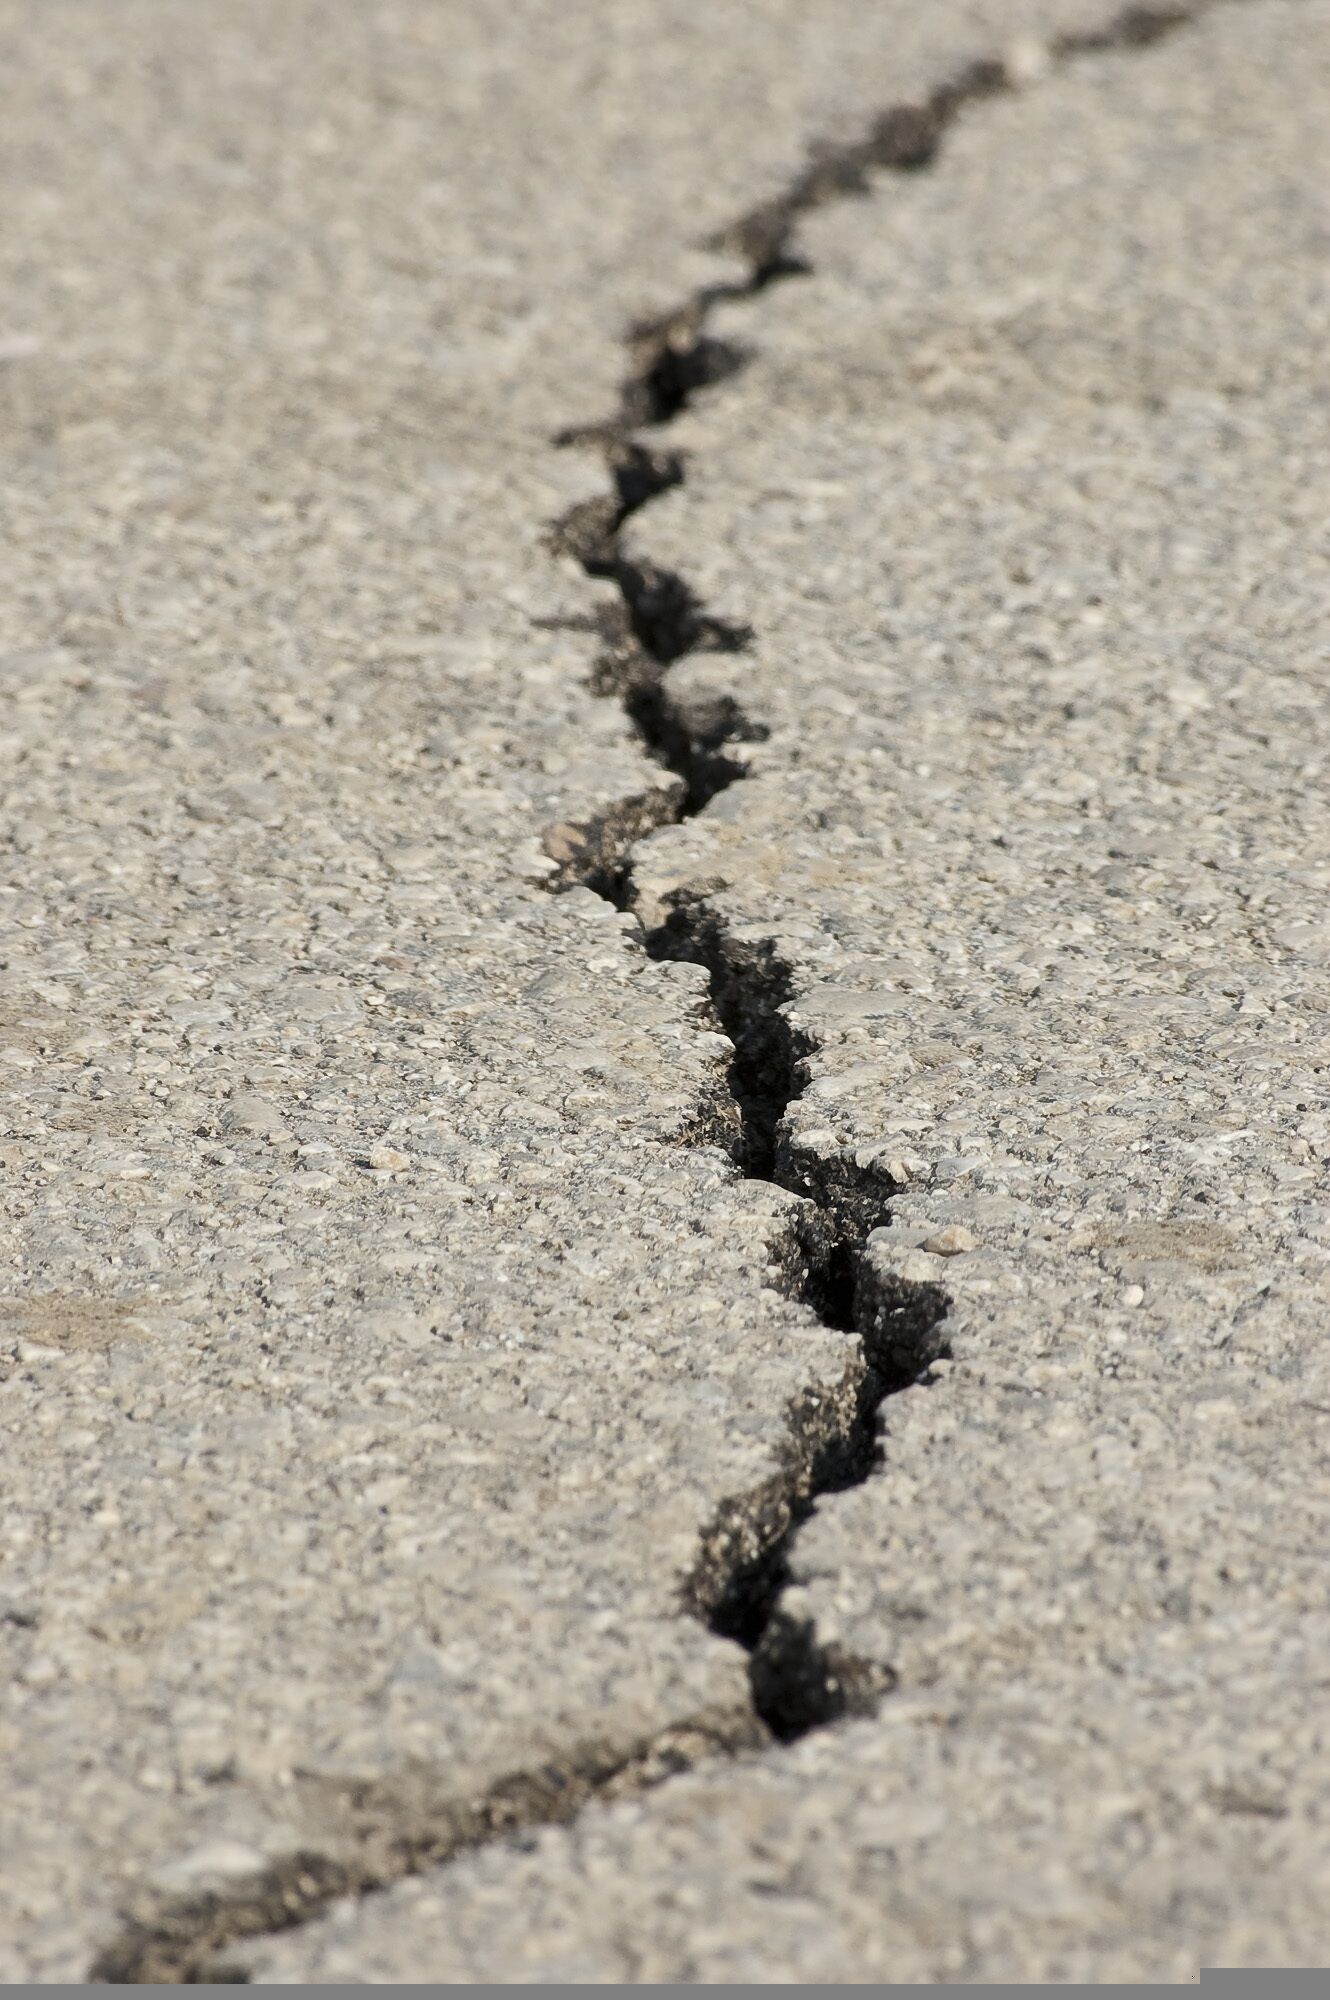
(376, 1834)
(738, 1583)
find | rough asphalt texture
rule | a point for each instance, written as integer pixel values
(387, 1325)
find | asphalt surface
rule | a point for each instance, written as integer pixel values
(423, 1345)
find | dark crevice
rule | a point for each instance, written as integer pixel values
(797, 1681)
(372, 1835)
(656, 620)
(1134, 28)
(675, 354)
(677, 359)
(743, 1571)
(750, 986)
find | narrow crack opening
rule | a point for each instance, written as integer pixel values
(676, 361)
(675, 354)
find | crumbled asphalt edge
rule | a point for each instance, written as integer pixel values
(381, 1833)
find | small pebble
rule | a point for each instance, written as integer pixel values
(952, 1242)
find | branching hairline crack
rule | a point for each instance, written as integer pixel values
(384, 1832)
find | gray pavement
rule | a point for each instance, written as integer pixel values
(388, 1327)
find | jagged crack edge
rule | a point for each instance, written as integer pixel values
(823, 1261)
(797, 1682)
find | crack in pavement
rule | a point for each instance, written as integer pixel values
(738, 1580)
(387, 1831)
(823, 1261)
(798, 1682)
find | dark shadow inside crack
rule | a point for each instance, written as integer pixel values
(750, 989)
(740, 1584)
(676, 361)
